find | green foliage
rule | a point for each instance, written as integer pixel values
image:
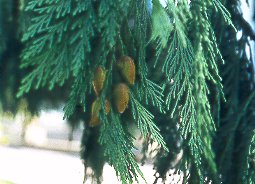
(161, 24)
(250, 173)
(177, 99)
(67, 40)
(154, 94)
(2, 23)
(142, 18)
(145, 122)
(175, 23)
(118, 148)
(188, 67)
(55, 57)
(236, 131)
(220, 8)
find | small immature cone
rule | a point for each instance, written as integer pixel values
(107, 107)
(95, 108)
(121, 97)
(127, 68)
(99, 78)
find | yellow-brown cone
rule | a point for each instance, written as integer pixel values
(121, 97)
(107, 106)
(95, 108)
(127, 68)
(99, 78)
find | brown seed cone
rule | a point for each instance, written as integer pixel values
(127, 67)
(95, 108)
(107, 106)
(121, 97)
(99, 78)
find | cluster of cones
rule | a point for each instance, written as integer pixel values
(126, 66)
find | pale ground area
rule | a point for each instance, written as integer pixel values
(22, 165)
(31, 166)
